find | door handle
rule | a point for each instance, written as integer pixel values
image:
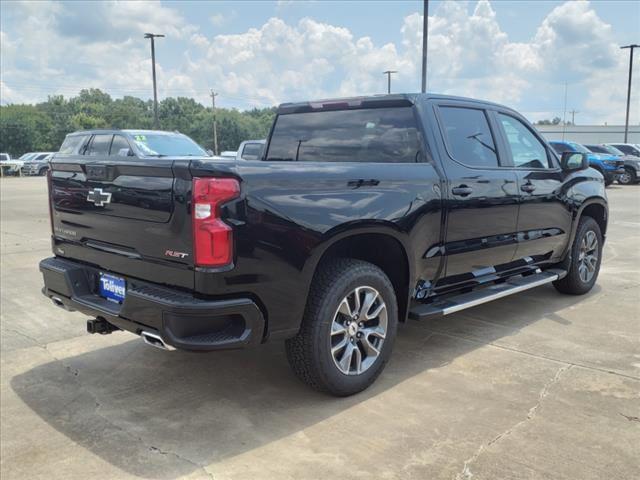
(462, 190)
(361, 182)
(528, 187)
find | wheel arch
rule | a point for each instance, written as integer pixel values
(383, 247)
(594, 207)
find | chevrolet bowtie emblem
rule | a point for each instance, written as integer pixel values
(98, 197)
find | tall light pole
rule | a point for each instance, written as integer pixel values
(152, 36)
(626, 121)
(425, 41)
(215, 126)
(388, 74)
(564, 111)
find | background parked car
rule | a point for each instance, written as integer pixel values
(38, 164)
(610, 166)
(250, 150)
(628, 148)
(9, 166)
(631, 163)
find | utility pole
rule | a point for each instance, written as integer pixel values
(388, 74)
(152, 36)
(215, 126)
(425, 41)
(626, 121)
(573, 116)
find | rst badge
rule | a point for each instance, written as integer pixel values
(98, 197)
(174, 254)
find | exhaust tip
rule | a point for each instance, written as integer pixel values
(57, 301)
(155, 340)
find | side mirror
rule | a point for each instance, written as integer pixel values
(125, 152)
(574, 161)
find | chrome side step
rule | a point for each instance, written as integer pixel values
(463, 301)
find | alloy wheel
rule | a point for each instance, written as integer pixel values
(588, 256)
(358, 330)
(624, 178)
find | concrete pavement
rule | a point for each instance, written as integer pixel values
(538, 385)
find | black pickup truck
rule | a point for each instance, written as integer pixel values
(362, 213)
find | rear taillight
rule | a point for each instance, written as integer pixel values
(212, 238)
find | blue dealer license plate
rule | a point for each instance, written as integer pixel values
(112, 288)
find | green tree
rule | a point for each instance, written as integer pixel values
(42, 127)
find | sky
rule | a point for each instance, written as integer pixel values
(257, 54)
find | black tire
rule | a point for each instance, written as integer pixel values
(310, 351)
(627, 178)
(573, 283)
(43, 172)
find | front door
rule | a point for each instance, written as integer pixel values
(544, 220)
(481, 198)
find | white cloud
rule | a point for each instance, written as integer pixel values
(217, 20)
(62, 49)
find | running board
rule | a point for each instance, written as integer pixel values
(463, 301)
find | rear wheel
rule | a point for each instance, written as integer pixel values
(586, 255)
(348, 330)
(628, 177)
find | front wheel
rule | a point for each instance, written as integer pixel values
(348, 329)
(586, 255)
(628, 177)
(43, 172)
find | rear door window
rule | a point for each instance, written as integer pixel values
(99, 145)
(377, 135)
(468, 136)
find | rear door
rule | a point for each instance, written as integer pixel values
(482, 197)
(544, 220)
(123, 213)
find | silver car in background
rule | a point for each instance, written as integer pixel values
(38, 164)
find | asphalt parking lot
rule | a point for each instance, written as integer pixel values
(538, 385)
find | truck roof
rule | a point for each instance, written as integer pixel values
(127, 131)
(372, 101)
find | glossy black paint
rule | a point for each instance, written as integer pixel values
(290, 213)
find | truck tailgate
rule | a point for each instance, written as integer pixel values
(127, 217)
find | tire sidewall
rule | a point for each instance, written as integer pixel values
(632, 177)
(361, 276)
(588, 225)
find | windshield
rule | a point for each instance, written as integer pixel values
(27, 156)
(613, 150)
(578, 148)
(162, 145)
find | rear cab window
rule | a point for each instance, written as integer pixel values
(374, 135)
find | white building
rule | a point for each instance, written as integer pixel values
(590, 133)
